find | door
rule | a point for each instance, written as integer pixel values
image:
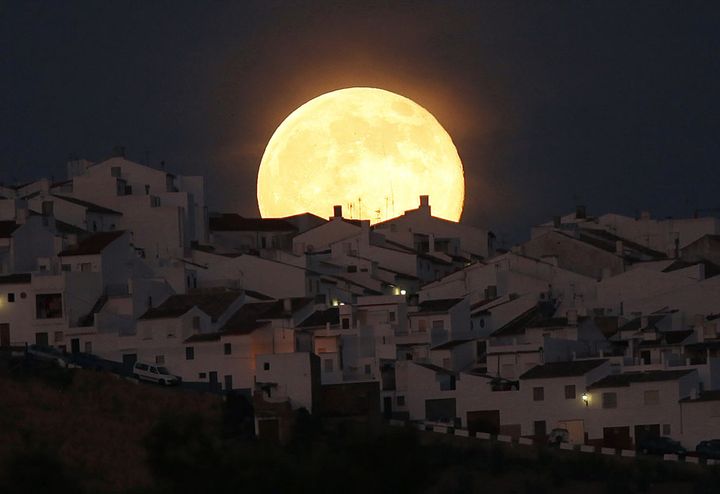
(129, 360)
(484, 421)
(617, 437)
(41, 339)
(645, 431)
(387, 407)
(228, 383)
(4, 335)
(645, 357)
(213, 380)
(540, 429)
(75, 345)
(576, 430)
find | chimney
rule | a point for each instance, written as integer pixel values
(580, 212)
(425, 203)
(337, 212)
(619, 247)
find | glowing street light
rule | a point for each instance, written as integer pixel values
(586, 399)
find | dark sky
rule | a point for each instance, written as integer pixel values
(612, 104)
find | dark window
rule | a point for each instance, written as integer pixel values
(401, 401)
(189, 353)
(540, 428)
(11, 297)
(228, 348)
(346, 323)
(23, 295)
(48, 306)
(66, 267)
(666, 429)
(352, 269)
(538, 394)
(570, 392)
(202, 375)
(266, 366)
(391, 316)
(609, 400)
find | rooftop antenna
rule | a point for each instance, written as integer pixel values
(359, 208)
(350, 207)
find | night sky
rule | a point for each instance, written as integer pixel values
(614, 105)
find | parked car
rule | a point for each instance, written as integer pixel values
(154, 373)
(709, 449)
(660, 445)
(558, 436)
(47, 354)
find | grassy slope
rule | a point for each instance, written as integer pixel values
(95, 422)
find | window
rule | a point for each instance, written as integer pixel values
(94, 226)
(367, 369)
(202, 375)
(345, 323)
(11, 297)
(23, 295)
(227, 348)
(86, 267)
(352, 269)
(196, 322)
(58, 336)
(189, 353)
(48, 306)
(88, 347)
(666, 429)
(391, 316)
(328, 365)
(115, 171)
(538, 394)
(66, 267)
(651, 397)
(401, 401)
(438, 324)
(422, 325)
(609, 400)
(266, 366)
(160, 359)
(570, 392)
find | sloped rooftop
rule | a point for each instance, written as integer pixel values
(572, 368)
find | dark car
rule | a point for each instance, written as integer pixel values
(660, 446)
(709, 449)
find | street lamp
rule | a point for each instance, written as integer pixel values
(586, 399)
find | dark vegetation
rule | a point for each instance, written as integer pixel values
(86, 432)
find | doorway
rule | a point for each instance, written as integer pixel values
(4, 335)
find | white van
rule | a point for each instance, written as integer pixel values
(155, 373)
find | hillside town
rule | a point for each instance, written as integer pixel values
(605, 327)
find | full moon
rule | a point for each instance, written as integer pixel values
(369, 150)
